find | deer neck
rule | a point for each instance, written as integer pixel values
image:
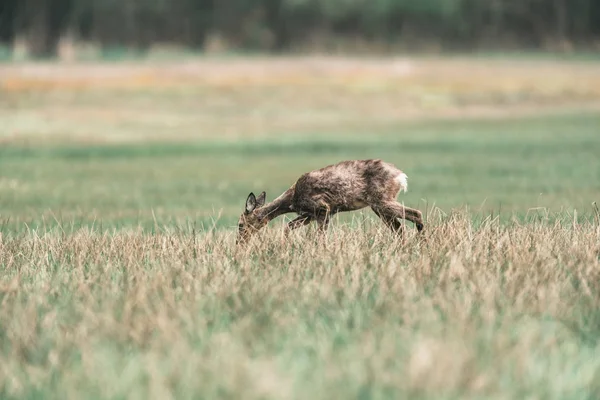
(279, 206)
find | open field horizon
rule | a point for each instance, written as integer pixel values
(127, 143)
(242, 97)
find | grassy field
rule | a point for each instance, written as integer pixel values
(491, 166)
(121, 184)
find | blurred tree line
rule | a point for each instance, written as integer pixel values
(278, 25)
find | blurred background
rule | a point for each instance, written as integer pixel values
(284, 25)
(146, 112)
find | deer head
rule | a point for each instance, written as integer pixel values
(250, 221)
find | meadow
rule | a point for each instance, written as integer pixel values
(121, 184)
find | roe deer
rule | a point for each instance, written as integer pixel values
(320, 194)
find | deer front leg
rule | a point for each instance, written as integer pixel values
(297, 222)
(323, 222)
(394, 209)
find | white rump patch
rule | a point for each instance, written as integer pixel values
(402, 179)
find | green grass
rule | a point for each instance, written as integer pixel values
(114, 284)
(509, 166)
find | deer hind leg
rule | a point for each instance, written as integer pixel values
(395, 210)
(391, 222)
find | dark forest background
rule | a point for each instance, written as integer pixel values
(282, 25)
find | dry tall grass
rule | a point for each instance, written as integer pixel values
(486, 310)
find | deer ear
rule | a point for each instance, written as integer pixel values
(250, 203)
(260, 200)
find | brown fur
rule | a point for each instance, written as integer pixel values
(320, 194)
